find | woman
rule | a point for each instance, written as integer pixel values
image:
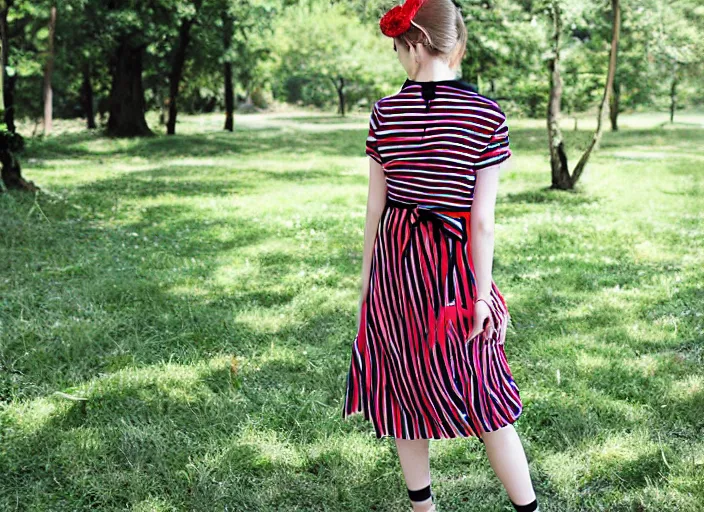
(428, 361)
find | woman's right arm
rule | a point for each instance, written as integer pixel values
(376, 200)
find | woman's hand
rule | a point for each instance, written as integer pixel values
(483, 322)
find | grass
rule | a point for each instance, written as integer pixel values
(200, 292)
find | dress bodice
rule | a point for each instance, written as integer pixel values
(432, 138)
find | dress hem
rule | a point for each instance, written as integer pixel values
(514, 419)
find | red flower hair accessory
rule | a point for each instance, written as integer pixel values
(397, 20)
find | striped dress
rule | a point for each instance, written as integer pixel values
(411, 372)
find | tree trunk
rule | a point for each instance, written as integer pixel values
(558, 157)
(561, 178)
(615, 105)
(87, 97)
(12, 174)
(48, 70)
(340, 86)
(184, 38)
(8, 82)
(3, 46)
(227, 70)
(673, 94)
(615, 31)
(127, 94)
(163, 108)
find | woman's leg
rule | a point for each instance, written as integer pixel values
(414, 455)
(508, 460)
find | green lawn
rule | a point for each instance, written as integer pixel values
(201, 290)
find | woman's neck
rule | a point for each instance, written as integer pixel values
(434, 71)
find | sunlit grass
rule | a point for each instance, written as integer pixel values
(200, 292)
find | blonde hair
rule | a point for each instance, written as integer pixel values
(439, 26)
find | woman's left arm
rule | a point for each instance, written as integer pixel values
(482, 235)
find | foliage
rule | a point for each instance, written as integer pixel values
(301, 51)
(318, 47)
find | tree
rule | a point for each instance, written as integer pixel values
(127, 105)
(11, 142)
(679, 45)
(48, 70)
(178, 60)
(326, 56)
(246, 41)
(227, 36)
(131, 28)
(9, 76)
(561, 177)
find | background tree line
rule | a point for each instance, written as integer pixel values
(111, 61)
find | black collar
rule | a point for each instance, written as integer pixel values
(456, 82)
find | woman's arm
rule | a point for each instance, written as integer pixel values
(482, 227)
(482, 233)
(376, 200)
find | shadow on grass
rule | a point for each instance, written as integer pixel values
(332, 119)
(185, 440)
(546, 195)
(266, 143)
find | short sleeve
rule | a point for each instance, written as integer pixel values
(498, 149)
(372, 147)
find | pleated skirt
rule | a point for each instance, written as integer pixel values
(412, 373)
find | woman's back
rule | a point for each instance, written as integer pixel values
(432, 137)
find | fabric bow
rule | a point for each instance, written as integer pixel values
(444, 306)
(453, 226)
